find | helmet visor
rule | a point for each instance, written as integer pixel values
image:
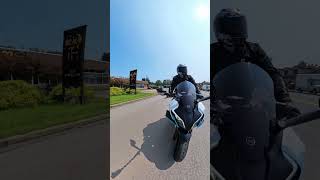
(236, 27)
(182, 70)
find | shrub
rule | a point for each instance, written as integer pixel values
(71, 94)
(131, 91)
(18, 93)
(116, 91)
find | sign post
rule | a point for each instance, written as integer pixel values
(133, 80)
(73, 59)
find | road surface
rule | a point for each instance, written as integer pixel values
(309, 133)
(141, 148)
(142, 145)
(77, 154)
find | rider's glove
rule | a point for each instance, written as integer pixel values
(294, 112)
(287, 110)
(291, 111)
(199, 96)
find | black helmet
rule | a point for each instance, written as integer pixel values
(232, 23)
(182, 69)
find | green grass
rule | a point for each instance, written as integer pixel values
(24, 120)
(129, 97)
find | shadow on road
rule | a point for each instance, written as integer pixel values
(157, 146)
(117, 172)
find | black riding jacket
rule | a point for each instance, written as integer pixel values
(221, 58)
(177, 79)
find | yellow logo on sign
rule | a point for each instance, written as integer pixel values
(73, 40)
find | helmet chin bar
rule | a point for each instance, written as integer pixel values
(233, 45)
(229, 48)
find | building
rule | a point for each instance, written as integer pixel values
(124, 83)
(204, 85)
(39, 67)
(142, 84)
(289, 73)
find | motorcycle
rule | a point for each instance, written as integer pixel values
(249, 141)
(185, 112)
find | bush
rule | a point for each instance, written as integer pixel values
(116, 91)
(18, 94)
(71, 95)
(132, 91)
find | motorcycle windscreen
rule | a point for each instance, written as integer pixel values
(186, 96)
(186, 88)
(244, 92)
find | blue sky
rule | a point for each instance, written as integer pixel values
(155, 36)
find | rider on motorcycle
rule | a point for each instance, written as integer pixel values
(182, 76)
(230, 28)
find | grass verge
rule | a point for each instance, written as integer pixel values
(24, 120)
(129, 97)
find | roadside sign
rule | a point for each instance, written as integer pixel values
(133, 79)
(73, 58)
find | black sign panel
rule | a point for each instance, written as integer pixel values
(133, 79)
(73, 57)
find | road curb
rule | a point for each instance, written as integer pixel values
(48, 131)
(129, 102)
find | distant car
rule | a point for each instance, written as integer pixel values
(291, 85)
(206, 87)
(308, 82)
(160, 90)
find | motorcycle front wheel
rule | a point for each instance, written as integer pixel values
(181, 149)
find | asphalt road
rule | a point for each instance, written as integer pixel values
(77, 154)
(141, 148)
(142, 145)
(309, 134)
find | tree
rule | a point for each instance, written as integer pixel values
(166, 82)
(147, 79)
(158, 83)
(302, 64)
(119, 82)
